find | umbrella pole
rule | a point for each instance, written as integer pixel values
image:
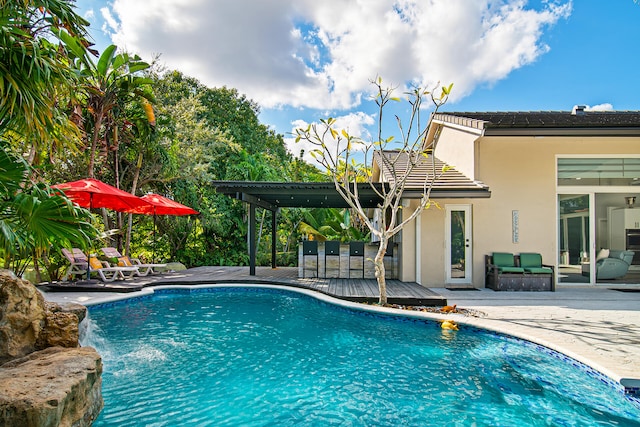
(153, 258)
(89, 252)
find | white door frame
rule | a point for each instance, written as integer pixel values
(468, 261)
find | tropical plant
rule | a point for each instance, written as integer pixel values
(109, 85)
(331, 224)
(396, 168)
(39, 39)
(33, 221)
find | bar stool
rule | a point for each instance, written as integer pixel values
(356, 249)
(331, 249)
(309, 248)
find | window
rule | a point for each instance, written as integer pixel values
(599, 171)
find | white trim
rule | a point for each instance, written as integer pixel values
(592, 238)
(468, 279)
(467, 129)
(418, 249)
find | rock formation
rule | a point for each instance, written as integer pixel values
(22, 317)
(45, 379)
(53, 387)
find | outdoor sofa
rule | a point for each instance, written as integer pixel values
(505, 271)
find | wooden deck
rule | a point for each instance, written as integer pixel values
(358, 290)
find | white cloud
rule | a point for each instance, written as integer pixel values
(89, 15)
(321, 54)
(600, 107)
(110, 23)
(355, 124)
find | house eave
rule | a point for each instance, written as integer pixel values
(479, 193)
(582, 132)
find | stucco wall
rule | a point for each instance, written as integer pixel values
(457, 147)
(520, 172)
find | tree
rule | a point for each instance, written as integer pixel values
(39, 39)
(109, 85)
(395, 166)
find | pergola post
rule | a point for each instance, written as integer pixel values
(274, 230)
(252, 239)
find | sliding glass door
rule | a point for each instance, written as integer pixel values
(575, 237)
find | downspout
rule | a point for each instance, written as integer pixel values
(418, 249)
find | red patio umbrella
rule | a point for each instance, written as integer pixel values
(92, 193)
(160, 205)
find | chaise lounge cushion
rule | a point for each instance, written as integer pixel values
(532, 263)
(95, 263)
(124, 261)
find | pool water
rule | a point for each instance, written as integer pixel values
(257, 357)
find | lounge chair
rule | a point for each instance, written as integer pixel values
(77, 267)
(125, 261)
(80, 263)
(610, 264)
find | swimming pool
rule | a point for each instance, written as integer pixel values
(255, 356)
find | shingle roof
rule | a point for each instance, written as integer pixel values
(451, 181)
(594, 120)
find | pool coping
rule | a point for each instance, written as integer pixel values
(630, 386)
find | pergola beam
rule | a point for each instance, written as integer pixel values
(275, 195)
(253, 200)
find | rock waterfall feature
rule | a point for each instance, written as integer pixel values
(46, 379)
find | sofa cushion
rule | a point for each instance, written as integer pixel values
(530, 260)
(503, 259)
(539, 270)
(604, 253)
(511, 269)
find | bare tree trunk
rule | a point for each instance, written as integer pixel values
(134, 187)
(94, 143)
(32, 154)
(378, 263)
(36, 267)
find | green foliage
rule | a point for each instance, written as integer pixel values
(108, 86)
(38, 42)
(33, 222)
(332, 224)
(134, 126)
(208, 134)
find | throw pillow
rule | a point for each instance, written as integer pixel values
(604, 253)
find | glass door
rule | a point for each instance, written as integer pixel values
(574, 258)
(458, 244)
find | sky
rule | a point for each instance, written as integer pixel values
(303, 60)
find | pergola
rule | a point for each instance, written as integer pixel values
(275, 195)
